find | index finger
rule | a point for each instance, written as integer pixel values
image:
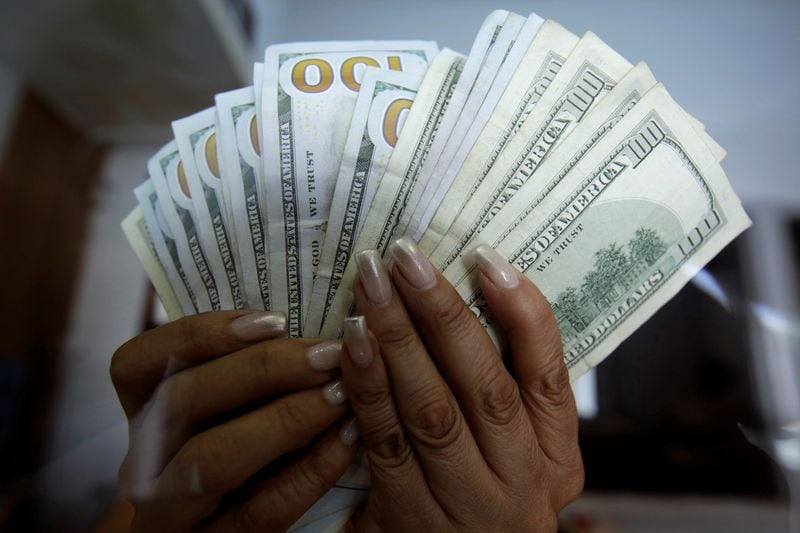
(142, 362)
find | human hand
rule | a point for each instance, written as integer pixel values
(455, 441)
(212, 414)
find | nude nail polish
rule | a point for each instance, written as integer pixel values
(412, 263)
(259, 326)
(349, 433)
(334, 392)
(356, 338)
(495, 267)
(325, 355)
(374, 277)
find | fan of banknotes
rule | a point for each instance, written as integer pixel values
(573, 163)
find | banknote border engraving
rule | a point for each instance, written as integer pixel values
(415, 164)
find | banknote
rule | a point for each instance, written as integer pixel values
(491, 42)
(240, 169)
(384, 101)
(308, 94)
(399, 179)
(221, 140)
(496, 71)
(621, 233)
(470, 124)
(494, 126)
(196, 138)
(532, 189)
(169, 179)
(530, 186)
(144, 247)
(589, 73)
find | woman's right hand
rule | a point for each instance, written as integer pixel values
(214, 403)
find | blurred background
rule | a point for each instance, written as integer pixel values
(692, 425)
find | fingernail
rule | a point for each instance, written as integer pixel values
(357, 341)
(325, 355)
(495, 267)
(374, 277)
(334, 392)
(413, 263)
(258, 326)
(349, 433)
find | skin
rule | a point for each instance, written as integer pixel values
(211, 419)
(455, 441)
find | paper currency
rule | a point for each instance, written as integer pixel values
(532, 183)
(306, 90)
(589, 73)
(169, 179)
(399, 180)
(555, 150)
(495, 126)
(490, 46)
(138, 237)
(470, 124)
(611, 243)
(240, 168)
(196, 138)
(384, 100)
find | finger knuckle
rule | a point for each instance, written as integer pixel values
(575, 478)
(390, 450)
(253, 516)
(436, 422)
(553, 386)
(370, 398)
(453, 317)
(314, 476)
(193, 332)
(119, 368)
(202, 469)
(499, 398)
(292, 419)
(397, 338)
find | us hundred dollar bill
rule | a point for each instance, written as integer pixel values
(384, 101)
(496, 73)
(240, 167)
(196, 137)
(589, 73)
(144, 247)
(491, 43)
(532, 190)
(621, 233)
(402, 171)
(308, 94)
(495, 126)
(498, 65)
(169, 179)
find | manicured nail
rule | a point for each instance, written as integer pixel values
(374, 277)
(259, 326)
(356, 338)
(325, 355)
(412, 263)
(495, 267)
(349, 433)
(334, 392)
